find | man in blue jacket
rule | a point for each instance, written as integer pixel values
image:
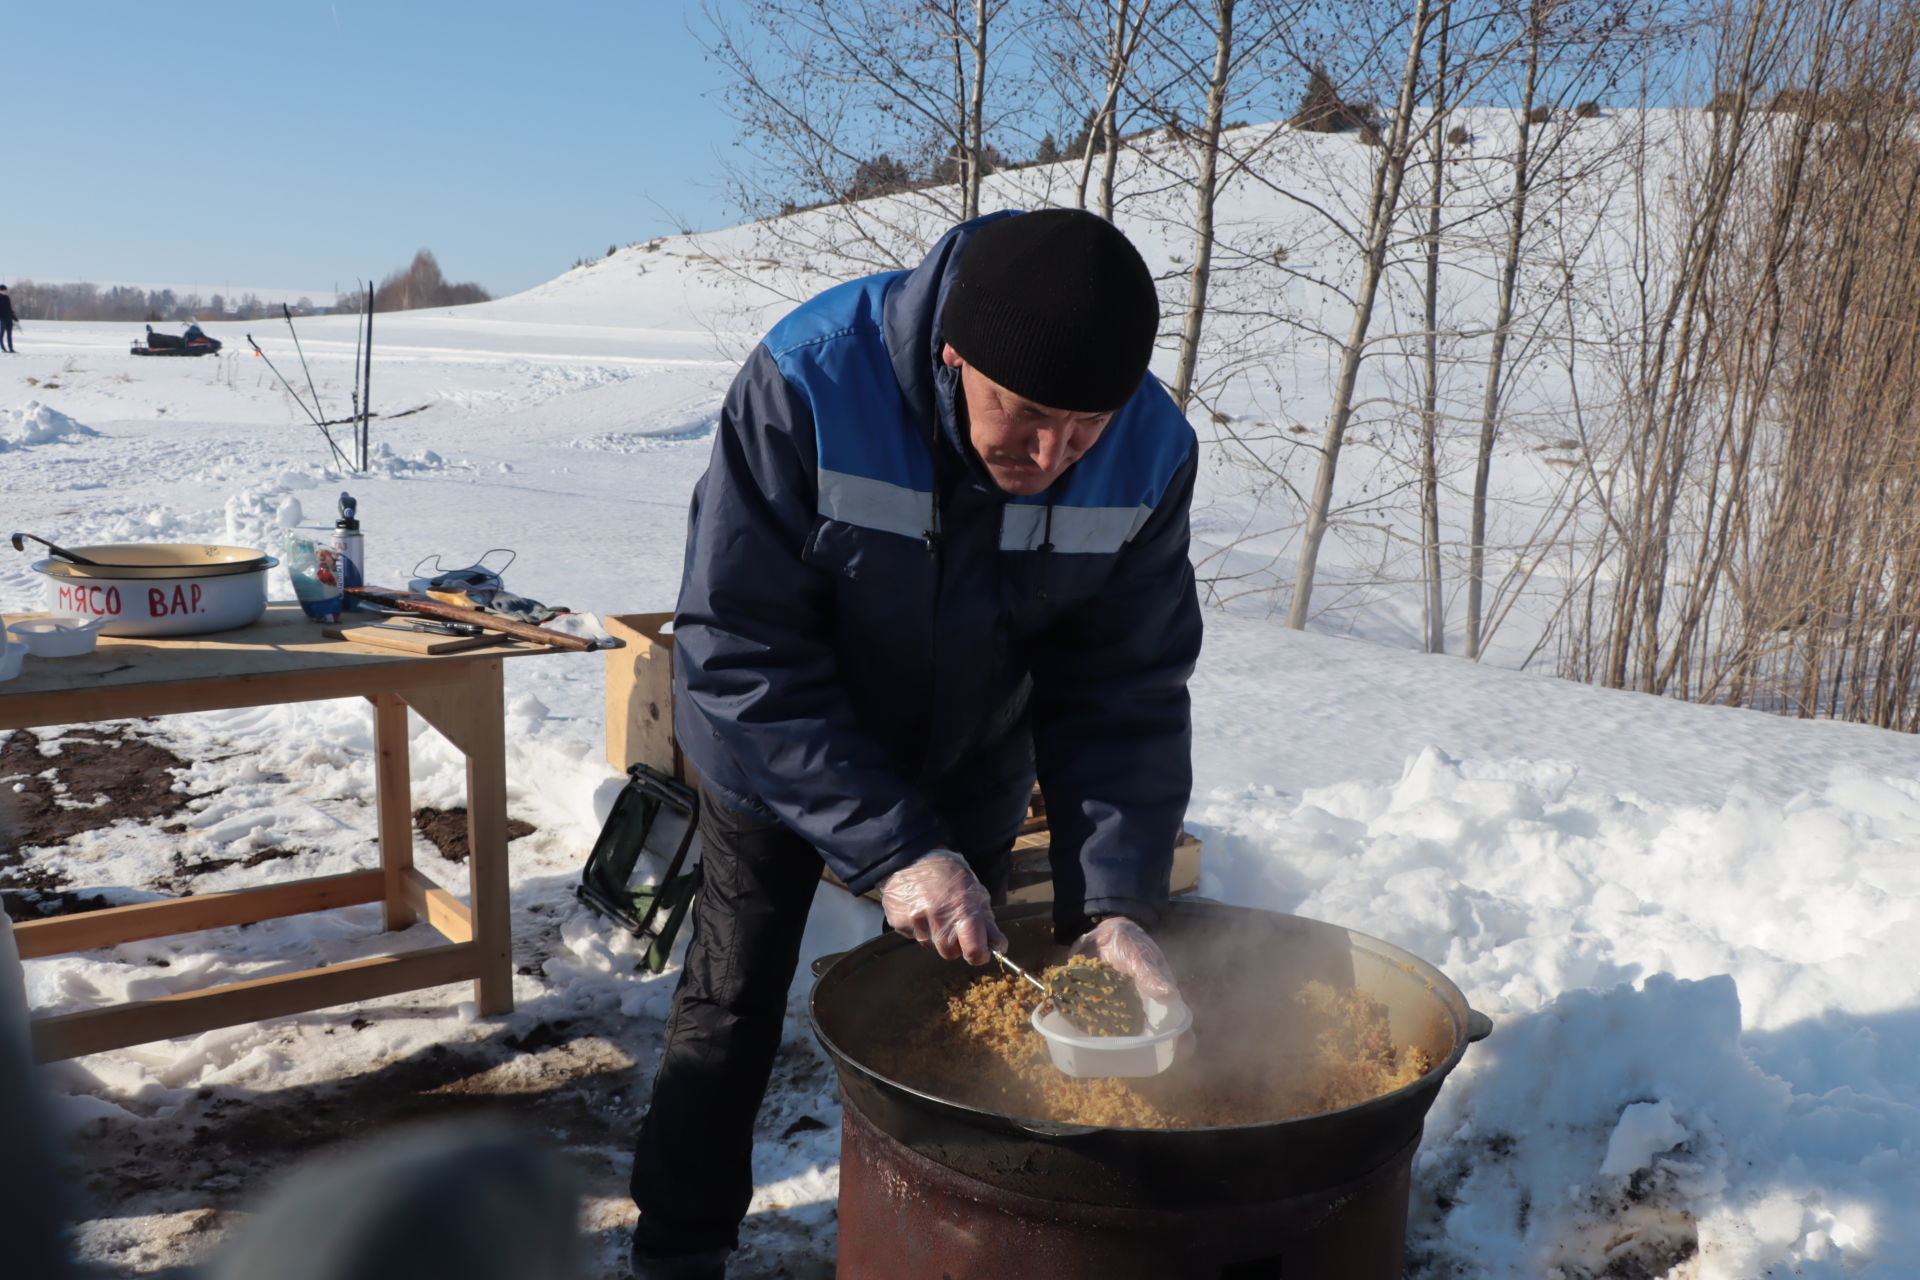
(941, 547)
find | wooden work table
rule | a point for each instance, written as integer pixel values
(285, 658)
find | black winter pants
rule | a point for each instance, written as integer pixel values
(692, 1165)
(6, 337)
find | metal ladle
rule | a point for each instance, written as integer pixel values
(1018, 972)
(62, 552)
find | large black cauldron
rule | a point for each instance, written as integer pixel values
(1237, 966)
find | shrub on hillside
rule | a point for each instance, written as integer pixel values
(1322, 111)
(880, 176)
(1853, 103)
(1077, 144)
(950, 167)
(1587, 111)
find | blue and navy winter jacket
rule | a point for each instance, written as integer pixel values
(878, 647)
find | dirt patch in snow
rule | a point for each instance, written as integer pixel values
(179, 882)
(447, 830)
(205, 1164)
(91, 778)
(1644, 1230)
(567, 1089)
(56, 788)
(160, 1191)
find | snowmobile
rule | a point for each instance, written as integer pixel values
(191, 343)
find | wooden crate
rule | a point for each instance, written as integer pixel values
(640, 695)
(1032, 877)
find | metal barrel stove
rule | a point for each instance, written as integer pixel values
(933, 1189)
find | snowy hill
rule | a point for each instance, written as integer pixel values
(1694, 927)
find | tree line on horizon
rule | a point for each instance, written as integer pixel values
(80, 300)
(418, 284)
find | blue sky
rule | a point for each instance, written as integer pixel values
(300, 144)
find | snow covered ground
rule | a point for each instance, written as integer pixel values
(1694, 928)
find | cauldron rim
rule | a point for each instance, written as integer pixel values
(1469, 1026)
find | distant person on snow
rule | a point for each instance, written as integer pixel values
(941, 547)
(7, 319)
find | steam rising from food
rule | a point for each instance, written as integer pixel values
(979, 1049)
(1291, 1017)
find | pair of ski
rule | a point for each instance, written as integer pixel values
(362, 386)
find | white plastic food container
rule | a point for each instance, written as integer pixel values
(161, 589)
(1147, 1054)
(11, 651)
(67, 637)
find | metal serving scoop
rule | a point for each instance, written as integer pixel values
(19, 544)
(1097, 998)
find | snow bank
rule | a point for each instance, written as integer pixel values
(1704, 1014)
(34, 423)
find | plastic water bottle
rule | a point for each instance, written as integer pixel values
(351, 547)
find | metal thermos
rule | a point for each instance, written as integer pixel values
(351, 547)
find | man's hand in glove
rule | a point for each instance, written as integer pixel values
(939, 901)
(1126, 946)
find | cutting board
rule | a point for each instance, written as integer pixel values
(410, 641)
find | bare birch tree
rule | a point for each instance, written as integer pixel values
(1208, 56)
(1376, 236)
(1433, 604)
(1104, 36)
(1569, 51)
(842, 101)
(1522, 188)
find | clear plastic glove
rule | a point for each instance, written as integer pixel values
(940, 902)
(1128, 948)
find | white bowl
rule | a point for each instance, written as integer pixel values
(1147, 1054)
(57, 637)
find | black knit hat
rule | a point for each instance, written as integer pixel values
(1056, 306)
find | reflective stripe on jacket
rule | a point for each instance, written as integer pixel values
(877, 646)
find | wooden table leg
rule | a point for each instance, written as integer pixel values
(472, 717)
(487, 838)
(393, 787)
